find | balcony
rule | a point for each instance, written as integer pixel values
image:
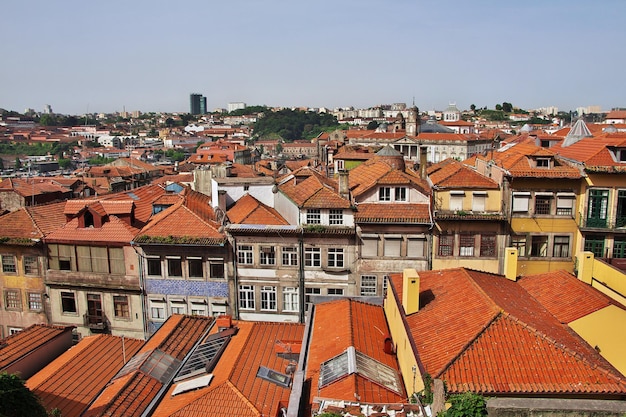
(97, 323)
(617, 223)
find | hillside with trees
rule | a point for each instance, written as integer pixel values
(292, 125)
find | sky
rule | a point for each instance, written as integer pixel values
(109, 56)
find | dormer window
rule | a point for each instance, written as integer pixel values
(543, 162)
(384, 194)
(88, 219)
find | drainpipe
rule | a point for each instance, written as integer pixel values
(301, 293)
(142, 291)
(235, 280)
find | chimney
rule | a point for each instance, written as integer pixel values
(221, 200)
(510, 263)
(224, 322)
(585, 267)
(423, 161)
(344, 188)
(410, 291)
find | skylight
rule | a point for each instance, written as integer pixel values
(155, 363)
(351, 361)
(205, 356)
(273, 376)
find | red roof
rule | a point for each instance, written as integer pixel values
(315, 191)
(393, 213)
(65, 385)
(18, 345)
(337, 325)
(112, 231)
(468, 319)
(249, 210)
(453, 174)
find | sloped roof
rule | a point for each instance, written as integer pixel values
(235, 389)
(453, 174)
(315, 191)
(134, 388)
(376, 171)
(113, 231)
(18, 345)
(27, 187)
(594, 153)
(337, 325)
(468, 319)
(65, 384)
(393, 213)
(32, 222)
(249, 210)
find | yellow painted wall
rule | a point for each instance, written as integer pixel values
(493, 202)
(487, 265)
(604, 330)
(406, 357)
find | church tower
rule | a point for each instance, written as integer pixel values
(413, 122)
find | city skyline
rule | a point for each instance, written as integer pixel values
(117, 56)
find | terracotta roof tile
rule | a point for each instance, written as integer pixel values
(315, 191)
(113, 231)
(65, 385)
(457, 175)
(467, 318)
(393, 213)
(20, 344)
(249, 210)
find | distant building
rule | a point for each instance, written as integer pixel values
(197, 104)
(236, 106)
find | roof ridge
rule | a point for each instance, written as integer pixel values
(561, 346)
(32, 219)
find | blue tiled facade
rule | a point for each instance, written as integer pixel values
(187, 287)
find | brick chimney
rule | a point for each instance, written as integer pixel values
(221, 200)
(410, 291)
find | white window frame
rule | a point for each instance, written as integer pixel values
(335, 217)
(384, 194)
(268, 298)
(245, 254)
(369, 285)
(521, 202)
(314, 216)
(246, 297)
(336, 258)
(336, 292)
(291, 299)
(312, 257)
(9, 264)
(267, 255)
(35, 301)
(456, 200)
(289, 256)
(158, 307)
(400, 194)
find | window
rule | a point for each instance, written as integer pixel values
(157, 309)
(519, 242)
(174, 267)
(14, 330)
(543, 163)
(368, 285)
(31, 266)
(244, 254)
(488, 245)
(335, 291)
(543, 204)
(466, 244)
(12, 299)
(400, 194)
(415, 247)
(246, 297)
(369, 246)
(335, 257)
(267, 255)
(199, 308)
(456, 200)
(520, 202)
(62, 257)
(392, 246)
(478, 201)
(68, 302)
(561, 247)
(565, 204)
(384, 194)
(121, 306)
(312, 257)
(290, 299)
(311, 292)
(35, 301)
(597, 208)
(539, 246)
(268, 298)
(290, 256)
(178, 306)
(313, 216)
(8, 264)
(619, 247)
(335, 217)
(446, 245)
(595, 244)
(154, 267)
(217, 269)
(116, 260)
(196, 267)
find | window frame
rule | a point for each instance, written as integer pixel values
(369, 285)
(35, 304)
(151, 261)
(445, 245)
(335, 257)
(312, 257)
(289, 256)
(561, 246)
(193, 262)
(269, 298)
(335, 217)
(30, 262)
(267, 255)
(291, 299)
(400, 194)
(246, 294)
(65, 298)
(9, 268)
(314, 216)
(245, 254)
(539, 246)
(13, 299)
(119, 312)
(488, 245)
(384, 193)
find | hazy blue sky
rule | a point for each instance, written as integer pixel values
(150, 55)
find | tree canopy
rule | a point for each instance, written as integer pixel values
(292, 125)
(16, 400)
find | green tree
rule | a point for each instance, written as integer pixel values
(499, 107)
(16, 400)
(473, 108)
(467, 404)
(507, 107)
(373, 125)
(47, 120)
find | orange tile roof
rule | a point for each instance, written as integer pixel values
(392, 213)
(337, 325)
(27, 187)
(113, 231)
(467, 318)
(235, 390)
(143, 197)
(131, 394)
(578, 301)
(65, 385)
(453, 174)
(18, 345)
(315, 191)
(48, 217)
(249, 210)
(376, 171)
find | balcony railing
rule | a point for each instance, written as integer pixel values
(96, 323)
(609, 223)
